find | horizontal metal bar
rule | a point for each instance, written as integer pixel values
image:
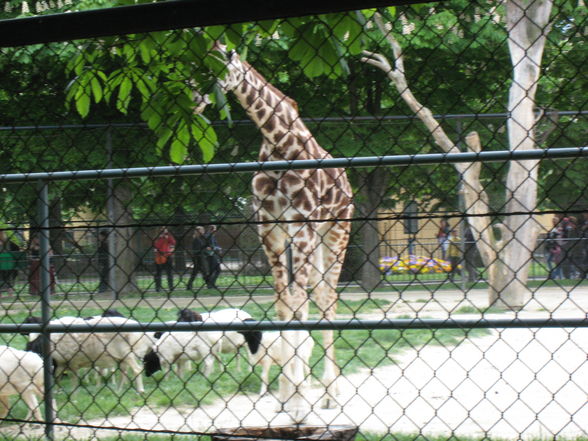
(310, 120)
(244, 167)
(178, 14)
(311, 325)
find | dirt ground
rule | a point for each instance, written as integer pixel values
(513, 383)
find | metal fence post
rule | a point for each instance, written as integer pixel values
(45, 288)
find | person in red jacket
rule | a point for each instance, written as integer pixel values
(164, 246)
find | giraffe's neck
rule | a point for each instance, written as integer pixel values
(275, 114)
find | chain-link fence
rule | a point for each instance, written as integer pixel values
(293, 222)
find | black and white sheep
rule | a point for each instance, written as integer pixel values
(232, 341)
(21, 373)
(180, 348)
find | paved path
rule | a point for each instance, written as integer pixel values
(551, 301)
(513, 384)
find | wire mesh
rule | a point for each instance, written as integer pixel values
(365, 224)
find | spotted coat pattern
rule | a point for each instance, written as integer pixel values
(312, 208)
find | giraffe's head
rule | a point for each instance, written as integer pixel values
(236, 71)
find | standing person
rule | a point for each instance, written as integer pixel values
(164, 245)
(443, 237)
(454, 254)
(212, 256)
(583, 237)
(574, 249)
(103, 255)
(199, 263)
(553, 248)
(35, 268)
(568, 228)
(470, 255)
(7, 264)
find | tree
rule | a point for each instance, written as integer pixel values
(509, 257)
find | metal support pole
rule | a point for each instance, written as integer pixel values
(45, 287)
(112, 252)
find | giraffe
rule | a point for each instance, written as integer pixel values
(312, 207)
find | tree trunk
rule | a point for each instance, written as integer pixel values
(125, 254)
(527, 22)
(507, 273)
(373, 190)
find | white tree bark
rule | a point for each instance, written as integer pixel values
(508, 259)
(527, 26)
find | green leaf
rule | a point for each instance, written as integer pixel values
(124, 95)
(220, 100)
(178, 151)
(145, 51)
(83, 104)
(96, 89)
(268, 27)
(216, 66)
(114, 79)
(204, 134)
(179, 146)
(215, 32)
(234, 35)
(164, 136)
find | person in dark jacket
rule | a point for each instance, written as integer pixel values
(103, 255)
(212, 252)
(197, 253)
(471, 256)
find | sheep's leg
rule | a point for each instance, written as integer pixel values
(131, 363)
(238, 357)
(184, 366)
(208, 366)
(31, 401)
(266, 364)
(4, 406)
(75, 379)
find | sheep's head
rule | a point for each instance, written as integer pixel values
(253, 338)
(185, 315)
(31, 319)
(112, 313)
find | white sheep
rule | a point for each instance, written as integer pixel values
(272, 350)
(21, 373)
(72, 351)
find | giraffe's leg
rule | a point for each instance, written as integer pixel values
(324, 284)
(294, 388)
(274, 246)
(274, 239)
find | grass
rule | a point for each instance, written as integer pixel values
(356, 349)
(468, 309)
(251, 286)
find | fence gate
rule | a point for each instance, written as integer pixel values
(357, 220)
